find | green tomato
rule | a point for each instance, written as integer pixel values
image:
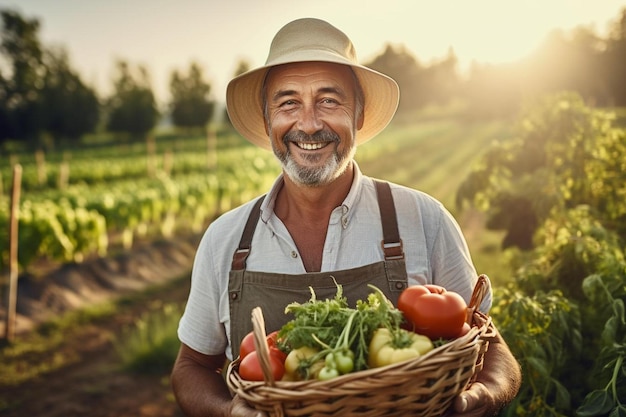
(327, 373)
(344, 361)
(330, 361)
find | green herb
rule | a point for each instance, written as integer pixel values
(339, 331)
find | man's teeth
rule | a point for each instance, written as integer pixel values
(311, 146)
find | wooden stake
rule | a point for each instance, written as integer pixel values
(168, 162)
(42, 175)
(64, 175)
(151, 155)
(13, 266)
(211, 149)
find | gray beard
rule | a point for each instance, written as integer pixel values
(313, 177)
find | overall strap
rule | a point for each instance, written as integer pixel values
(242, 252)
(391, 243)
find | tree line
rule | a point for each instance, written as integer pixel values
(579, 61)
(43, 100)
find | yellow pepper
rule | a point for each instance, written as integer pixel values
(300, 364)
(386, 347)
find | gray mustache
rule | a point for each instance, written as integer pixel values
(320, 136)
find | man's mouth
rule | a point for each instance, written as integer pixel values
(311, 146)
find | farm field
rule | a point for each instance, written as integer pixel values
(433, 156)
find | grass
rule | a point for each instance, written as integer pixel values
(39, 352)
(150, 345)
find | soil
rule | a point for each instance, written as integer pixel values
(91, 382)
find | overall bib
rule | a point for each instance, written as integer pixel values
(273, 292)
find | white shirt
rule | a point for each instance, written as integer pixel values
(435, 252)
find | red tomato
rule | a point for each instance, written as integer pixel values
(272, 339)
(250, 368)
(272, 344)
(434, 312)
(464, 330)
(435, 289)
(247, 345)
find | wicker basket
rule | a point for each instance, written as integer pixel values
(425, 386)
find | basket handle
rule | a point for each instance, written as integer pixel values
(260, 344)
(478, 295)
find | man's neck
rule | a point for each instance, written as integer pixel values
(313, 202)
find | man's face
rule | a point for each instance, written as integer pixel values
(311, 119)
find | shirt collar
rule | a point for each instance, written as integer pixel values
(267, 208)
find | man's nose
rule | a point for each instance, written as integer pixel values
(309, 121)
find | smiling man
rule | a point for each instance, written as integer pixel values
(322, 222)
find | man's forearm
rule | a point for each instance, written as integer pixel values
(198, 385)
(501, 372)
(204, 395)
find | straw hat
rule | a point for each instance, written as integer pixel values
(309, 40)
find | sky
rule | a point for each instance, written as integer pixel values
(168, 35)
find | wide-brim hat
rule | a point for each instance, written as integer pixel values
(309, 40)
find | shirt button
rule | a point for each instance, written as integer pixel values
(294, 254)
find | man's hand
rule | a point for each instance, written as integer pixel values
(496, 384)
(476, 401)
(240, 408)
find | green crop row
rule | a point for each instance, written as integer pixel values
(68, 225)
(94, 170)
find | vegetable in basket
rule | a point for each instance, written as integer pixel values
(393, 346)
(302, 363)
(433, 311)
(250, 367)
(339, 335)
(247, 345)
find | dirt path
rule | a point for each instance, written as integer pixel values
(92, 382)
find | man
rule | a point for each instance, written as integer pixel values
(312, 104)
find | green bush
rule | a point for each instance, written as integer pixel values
(564, 314)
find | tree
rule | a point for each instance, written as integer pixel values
(69, 108)
(440, 80)
(242, 67)
(615, 61)
(565, 155)
(402, 66)
(190, 106)
(132, 108)
(19, 90)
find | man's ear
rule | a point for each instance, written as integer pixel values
(360, 120)
(266, 126)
